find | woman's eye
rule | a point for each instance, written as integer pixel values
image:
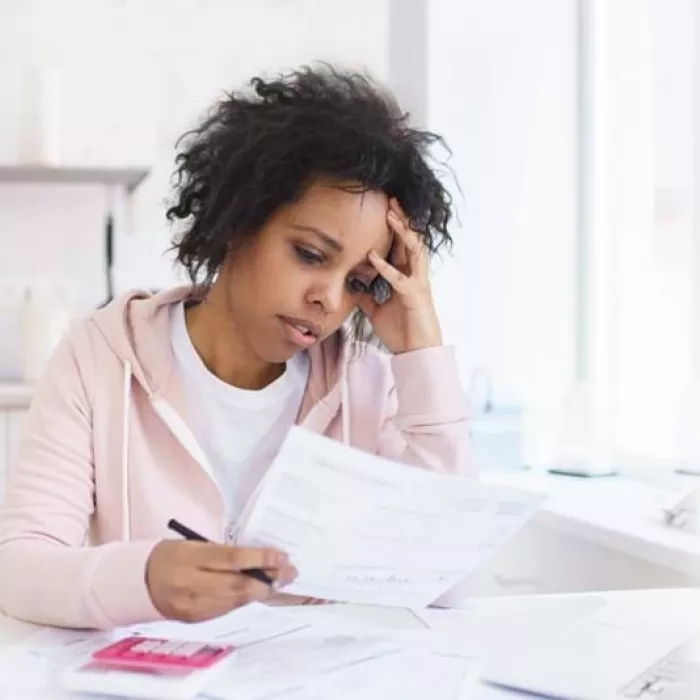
(357, 285)
(308, 256)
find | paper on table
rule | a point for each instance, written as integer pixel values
(325, 665)
(308, 667)
(29, 669)
(252, 624)
(410, 675)
(363, 529)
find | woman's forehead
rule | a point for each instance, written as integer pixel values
(357, 220)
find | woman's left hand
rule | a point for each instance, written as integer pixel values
(408, 320)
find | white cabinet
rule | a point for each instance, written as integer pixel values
(589, 535)
(544, 560)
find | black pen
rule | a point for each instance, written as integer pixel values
(257, 574)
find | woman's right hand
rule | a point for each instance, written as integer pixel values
(195, 581)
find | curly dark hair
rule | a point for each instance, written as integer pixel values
(258, 150)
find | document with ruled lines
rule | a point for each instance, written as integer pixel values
(364, 529)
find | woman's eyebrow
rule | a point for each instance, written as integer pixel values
(326, 238)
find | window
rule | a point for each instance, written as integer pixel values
(640, 283)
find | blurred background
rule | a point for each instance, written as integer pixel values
(573, 290)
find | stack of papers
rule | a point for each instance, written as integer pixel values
(363, 529)
(280, 655)
(562, 647)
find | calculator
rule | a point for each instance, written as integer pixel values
(149, 667)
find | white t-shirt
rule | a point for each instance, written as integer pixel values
(235, 427)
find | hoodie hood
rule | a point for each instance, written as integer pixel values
(136, 327)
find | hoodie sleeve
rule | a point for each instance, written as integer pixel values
(426, 423)
(48, 574)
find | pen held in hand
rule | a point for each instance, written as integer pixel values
(257, 574)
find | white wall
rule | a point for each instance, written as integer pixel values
(501, 88)
(136, 75)
(496, 78)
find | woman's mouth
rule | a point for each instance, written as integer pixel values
(302, 333)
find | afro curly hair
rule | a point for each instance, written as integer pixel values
(261, 148)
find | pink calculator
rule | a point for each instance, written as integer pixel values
(149, 667)
(173, 656)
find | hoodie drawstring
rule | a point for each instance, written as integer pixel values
(126, 520)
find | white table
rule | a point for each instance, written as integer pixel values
(592, 535)
(645, 604)
(619, 513)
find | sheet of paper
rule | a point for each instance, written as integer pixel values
(252, 624)
(30, 668)
(363, 529)
(307, 667)
(419, 670)
(344, 667)
(285, 650)
(412, 675)
(364, 619)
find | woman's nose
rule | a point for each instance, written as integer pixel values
(330, 296)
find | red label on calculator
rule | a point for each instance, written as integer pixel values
(159, 656)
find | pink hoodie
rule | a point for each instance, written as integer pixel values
(108, 458)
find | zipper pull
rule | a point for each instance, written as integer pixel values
(230, 532)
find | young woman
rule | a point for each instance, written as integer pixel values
(306, 208)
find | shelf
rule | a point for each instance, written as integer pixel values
(15, 395)
(130, 178)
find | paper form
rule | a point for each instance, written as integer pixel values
(29, 669)
(363, 529)
(279, 651)
(408, 675)
(309, 667)
(252, 624)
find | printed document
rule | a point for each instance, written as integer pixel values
(363, 529)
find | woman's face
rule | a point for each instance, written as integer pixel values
(297, 281)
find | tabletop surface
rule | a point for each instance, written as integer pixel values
(653, 605)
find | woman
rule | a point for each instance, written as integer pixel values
(306, 207)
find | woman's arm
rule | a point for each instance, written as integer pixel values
(426, 423)
(425, 418)
(47, 575)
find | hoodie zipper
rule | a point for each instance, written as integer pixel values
(187, 439)
(230, 533)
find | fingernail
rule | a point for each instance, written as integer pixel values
(286, 578)
(282, 559)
